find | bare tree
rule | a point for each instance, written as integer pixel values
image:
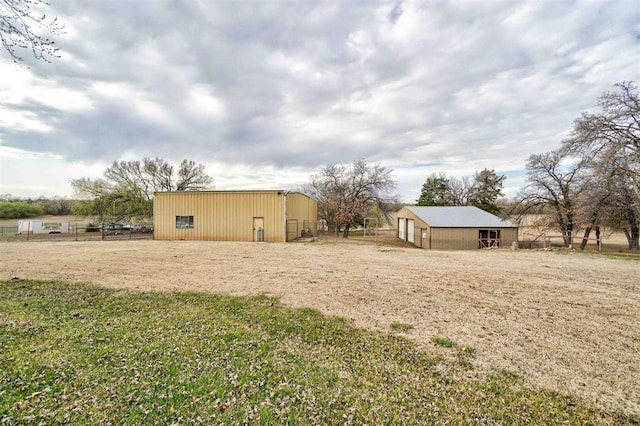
(191, 177)
(345, 192)
(20, 25)
(459, 191)
(613, 133)
(157, 175)
(87, 188)
(610, 141)
(128, 186)
(621, 211)
(593, 205)
(555, 181)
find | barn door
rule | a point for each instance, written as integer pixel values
(292, 229)
(411, 236)
(401, 233)
(258, 229)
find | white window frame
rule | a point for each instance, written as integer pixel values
(184, 222)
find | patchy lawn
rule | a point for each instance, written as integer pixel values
(560, 320)
(74, 353)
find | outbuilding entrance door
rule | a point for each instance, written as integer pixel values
(258, 229)
(411, 236)
(292, 229)
(401, 234)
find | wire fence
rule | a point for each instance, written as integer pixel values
(550, 242)
(80, 232)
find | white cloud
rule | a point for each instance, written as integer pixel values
(202, 103)
(266, 95)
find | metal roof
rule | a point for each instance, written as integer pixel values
(231, 191)
(458, 217)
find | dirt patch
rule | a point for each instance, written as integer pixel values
(567, 322)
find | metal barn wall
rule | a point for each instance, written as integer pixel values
(219, 216)
(419, 226)
(467, 238)
(454, 238)
(301, 208)
(451, 238)
(509, 236)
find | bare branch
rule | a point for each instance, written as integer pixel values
(20, 26)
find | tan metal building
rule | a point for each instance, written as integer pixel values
(272, 216)
(454, 228)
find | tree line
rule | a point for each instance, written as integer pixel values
(18, 208)
(126, 188)
(482, 190)
(593, 179)
(124, 192)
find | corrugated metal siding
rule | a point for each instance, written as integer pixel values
(419, 240)
(467, 238)
(301, 208)
(220, 216)
(454, 238)
(451, 238)
(509, 236)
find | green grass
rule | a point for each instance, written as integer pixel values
(81, 354)
(400, 327)
(469, 351)
(442, 341)
(630, 255)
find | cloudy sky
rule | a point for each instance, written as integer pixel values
(265, 93)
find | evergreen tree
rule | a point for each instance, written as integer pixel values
(434, 191)
(486, 190)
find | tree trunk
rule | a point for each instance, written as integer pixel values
(567, 236)
(346, 231)
(587, 232)
(633, 238)
(599, 240)
(585, 238)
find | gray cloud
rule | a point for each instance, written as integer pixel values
(303, 84)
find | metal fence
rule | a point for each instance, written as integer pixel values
(557, 242)
(303, 230)
(81, 232)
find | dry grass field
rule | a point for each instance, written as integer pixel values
(562, 320)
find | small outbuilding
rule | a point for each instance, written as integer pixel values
(454, 228)
(271, 216)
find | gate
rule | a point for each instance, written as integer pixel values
(292, 229)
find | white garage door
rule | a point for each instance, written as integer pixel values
(401, 228)
(410, 231)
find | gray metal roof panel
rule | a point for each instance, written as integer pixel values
(458, 217)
